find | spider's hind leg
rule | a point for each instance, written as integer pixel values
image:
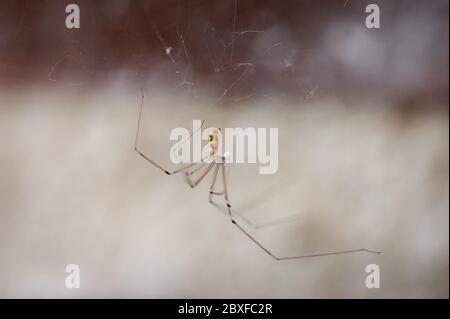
(213, 183)
(224, 192)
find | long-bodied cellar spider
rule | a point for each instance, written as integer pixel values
(216, 162)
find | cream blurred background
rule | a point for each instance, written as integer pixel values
(364, 144)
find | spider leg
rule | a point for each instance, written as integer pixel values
(189, 173)
(234, 222)
(301, 256)
(211, 188)
(196, 182)
(162, 169)
(136, 149)
(225, 192)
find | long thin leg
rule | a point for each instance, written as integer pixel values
(268, 251)
(301, 256)
(145, 156)
(195, 170)
(213, 183)
(224, 180)
(189, 173)
(162, 169)
(195, 183)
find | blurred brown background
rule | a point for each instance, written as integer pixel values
(363, 123)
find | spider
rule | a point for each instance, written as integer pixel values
(217, 162)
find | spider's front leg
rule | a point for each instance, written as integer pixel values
(216, 160)
(194, 183)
